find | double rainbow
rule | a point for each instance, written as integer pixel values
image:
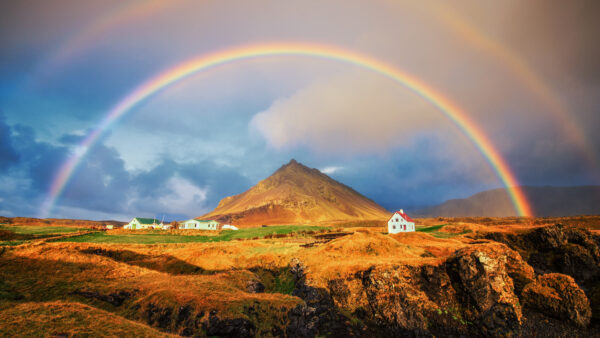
(203, 62)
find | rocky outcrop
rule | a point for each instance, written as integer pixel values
(485, 288)
(558, 296)
(478, 291)
(559, 249)
(236, 327)
(568, 250)
(318, 314)
(472, 293)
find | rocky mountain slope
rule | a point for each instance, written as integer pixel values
(545, 201)
(296, 194)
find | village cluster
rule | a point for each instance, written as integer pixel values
(399, 222)
(139, 223)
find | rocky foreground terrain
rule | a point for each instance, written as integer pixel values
(467, 280)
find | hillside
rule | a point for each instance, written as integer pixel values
(545, 201)
(296, 194)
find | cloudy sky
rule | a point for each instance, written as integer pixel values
(528, 74)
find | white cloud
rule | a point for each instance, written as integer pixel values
(331, 170)
(185, 197)
(352, 113)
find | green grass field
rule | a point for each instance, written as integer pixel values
(433, 228)
(40, 230)
(433, 231)
(159, 237)
(11, 235)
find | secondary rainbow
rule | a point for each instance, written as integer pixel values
(518, 67)
(203, 62)
(121, 14)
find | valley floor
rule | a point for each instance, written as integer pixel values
(473, 277)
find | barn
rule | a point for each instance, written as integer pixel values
(400, 222)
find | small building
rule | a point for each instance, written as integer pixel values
(109, 227)
(200, 224)
(400, 222)
(143, 223)
(229, 227)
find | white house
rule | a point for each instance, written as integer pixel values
(400, 222)
(229, 226)
(143, 223)
(200, 224)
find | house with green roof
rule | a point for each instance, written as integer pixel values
(143, 223)
(200, 224)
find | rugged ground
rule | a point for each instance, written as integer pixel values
(492, 277)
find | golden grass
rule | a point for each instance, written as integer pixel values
(47, 319)
(41, 280)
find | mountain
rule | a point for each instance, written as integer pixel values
(296, 194)
(545, 201)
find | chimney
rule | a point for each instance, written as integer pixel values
(401, 211)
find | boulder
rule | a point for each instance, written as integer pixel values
(481, 275)
(558, 296)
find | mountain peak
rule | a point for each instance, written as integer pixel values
(297, 194)
(293, 166)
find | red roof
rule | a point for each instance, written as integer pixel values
(403, 215)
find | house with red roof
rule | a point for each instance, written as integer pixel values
(400, 222)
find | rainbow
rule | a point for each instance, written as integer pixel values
(203, 62)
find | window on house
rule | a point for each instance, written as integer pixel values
(393, 227)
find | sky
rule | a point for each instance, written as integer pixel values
(526, 73)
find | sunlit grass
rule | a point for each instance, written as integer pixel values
(159, 238)
(431, 228)
(434, 231)
(40, 230)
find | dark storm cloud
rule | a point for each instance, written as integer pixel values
(101, 182)
(416, 176)
(219, 181)
(39, 159)
(224, 181)
(8, 154)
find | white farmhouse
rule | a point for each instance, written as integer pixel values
(400, 222)
(143, 223)
(200, 224)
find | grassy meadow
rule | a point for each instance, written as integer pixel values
(40, 230)
(161, 237)
(11, 235)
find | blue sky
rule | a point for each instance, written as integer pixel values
(64, 64)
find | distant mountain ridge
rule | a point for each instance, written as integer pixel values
(296, 194)
(545, 201)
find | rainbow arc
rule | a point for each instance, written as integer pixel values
(185, 69)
